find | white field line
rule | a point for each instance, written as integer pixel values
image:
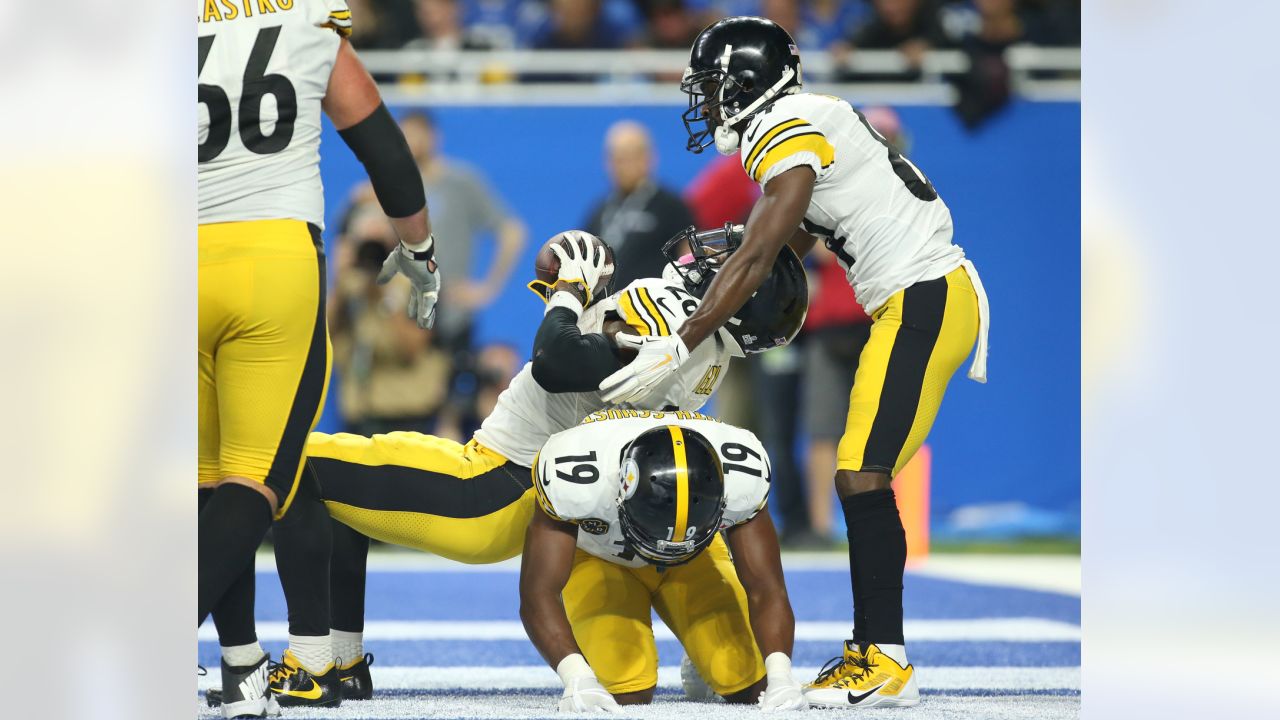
(538, 676)
(979, 630)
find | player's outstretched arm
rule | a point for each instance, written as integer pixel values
(353, 104)
(772, 224)
(758, 560)
(549, 546)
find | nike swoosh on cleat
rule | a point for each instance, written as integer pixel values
(311, 694)
(855, 699)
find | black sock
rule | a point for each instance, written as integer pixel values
(302, 545)
(233, 614)
(232, 523)
(877, 559)
(347, 579)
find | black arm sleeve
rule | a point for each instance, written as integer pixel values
(380, 146)
(565, 360)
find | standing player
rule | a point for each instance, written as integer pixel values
(631, 512)
(825, 172)
(263, 79)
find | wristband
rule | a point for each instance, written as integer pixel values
(565, 299)
(777, 666)
(424, 250)
(573, 667)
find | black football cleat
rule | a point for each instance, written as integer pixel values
(355, 679)
(245, 691)
(295, 686)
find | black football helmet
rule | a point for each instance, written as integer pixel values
(672, 495)
(738, 66)
(772, 316)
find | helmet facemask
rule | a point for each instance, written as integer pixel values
(709, 91)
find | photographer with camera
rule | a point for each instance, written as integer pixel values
(390, 378)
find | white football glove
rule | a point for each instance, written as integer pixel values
(658, 358)
(583, 265)
(582, 691)
(782, 692)
(420, 267)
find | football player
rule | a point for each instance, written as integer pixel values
(472, 502)
(826, 173)
(263, 80)
(630, 522)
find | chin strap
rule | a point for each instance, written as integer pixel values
(726, 137)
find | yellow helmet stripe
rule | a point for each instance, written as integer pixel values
(682, 484)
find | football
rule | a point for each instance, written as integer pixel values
(546, 266)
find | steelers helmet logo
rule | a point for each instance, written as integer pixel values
(630, 473)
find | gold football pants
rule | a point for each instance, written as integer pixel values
(919, 337)
(263, 350)
(610, 609)
(463, 502)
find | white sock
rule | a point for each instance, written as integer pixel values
(897, 652)
(314, 652)
(242, 655)
(348, 647)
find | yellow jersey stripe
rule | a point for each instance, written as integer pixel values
(653, 310)
(343, 30)
(764, 141)
(631, 317)
(815, 143)
(341, 14)
(682, 484)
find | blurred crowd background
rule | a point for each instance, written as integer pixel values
(837, 26)
(503, 176)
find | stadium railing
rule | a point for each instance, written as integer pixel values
(646, 76)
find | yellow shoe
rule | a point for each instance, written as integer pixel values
(865, 679)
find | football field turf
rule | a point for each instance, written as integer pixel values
(448, 642)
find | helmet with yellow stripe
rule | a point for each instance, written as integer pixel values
(672, 496)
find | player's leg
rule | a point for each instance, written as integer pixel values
(347, 575)
(462, 502)
(273, 369)
(609, 609)
(918, 340)
(704, 604)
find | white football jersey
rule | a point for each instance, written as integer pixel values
(871, 206)
(578, 475)
(263, 69)
(526, 415)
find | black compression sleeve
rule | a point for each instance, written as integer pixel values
(565, 360)
(380, 146)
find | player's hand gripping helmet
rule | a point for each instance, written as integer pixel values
(672, 495)
(737, 67)
(772, 316)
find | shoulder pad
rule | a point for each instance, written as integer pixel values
(747, 473)
(652, 306)
(780, 134)
(572, 477)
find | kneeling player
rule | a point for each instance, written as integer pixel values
(630, 521)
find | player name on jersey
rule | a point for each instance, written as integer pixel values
(220, 10)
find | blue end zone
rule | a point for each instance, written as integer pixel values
(815, 595)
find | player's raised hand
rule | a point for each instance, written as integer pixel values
(424, 275)
(657, 359)
(582, 691)
(782, 692)
(581, 264)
